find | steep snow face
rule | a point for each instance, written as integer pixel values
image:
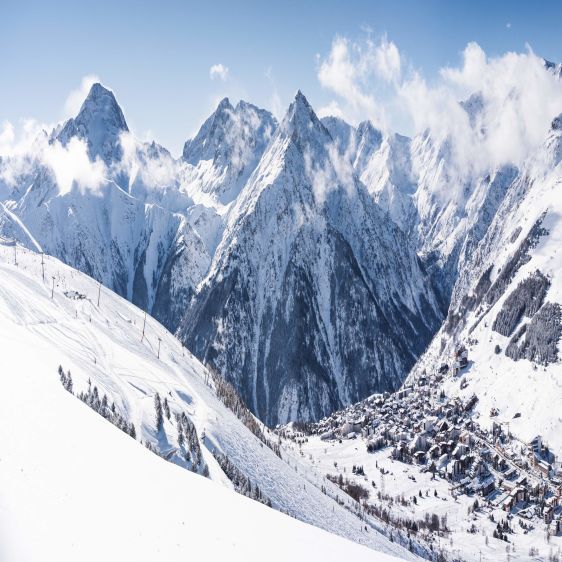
(63, 464)
(453, 208)
(225, 151)
(314, 297)
(506, 305)
(142, 251)
(100, 123)
(368, 141)
(443, 210)
(389, 177)
(343, 135)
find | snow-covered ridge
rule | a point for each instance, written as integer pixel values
(154, 229)
(307, 257)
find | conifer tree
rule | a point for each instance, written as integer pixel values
(159, 414)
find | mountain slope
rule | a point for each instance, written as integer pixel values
(65, 459)
(313, 298)
(506, 305)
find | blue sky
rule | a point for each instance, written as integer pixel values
(157, 57)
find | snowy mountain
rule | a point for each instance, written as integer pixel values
(99, 123)
(388, 175)
(314, 297)
(310, 262)
(506, 303)
(73, 485)
(226, 149)
(130, 232)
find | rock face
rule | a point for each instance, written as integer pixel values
(314, 297)
(227, 148)
(100, 122)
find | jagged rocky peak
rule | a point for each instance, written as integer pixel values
(100, 122)
(155, 151)
(303, 126)
(555, 68)
(552, 148)
(474, 106)
(300, 114)
(556, 124)
(296, 284)
(229, 131)
(233, 140)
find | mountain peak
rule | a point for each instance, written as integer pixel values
(553, 67)
(300, 120)
(301, 103)
(97, 91)
(100, 103)
(556, 124)
(224, 104)
(99, 123)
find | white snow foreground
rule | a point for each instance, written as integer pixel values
(74, 487)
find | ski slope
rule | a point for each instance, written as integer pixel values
(74, 487)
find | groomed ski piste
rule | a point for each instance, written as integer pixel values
(75, 487)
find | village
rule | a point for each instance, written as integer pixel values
(439, 438)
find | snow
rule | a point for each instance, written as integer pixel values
(72, 486)
(248, 187)
(405, 481)
(513, 387)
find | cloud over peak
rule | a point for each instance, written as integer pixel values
(519, 98)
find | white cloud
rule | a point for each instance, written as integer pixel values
(219, 71)
(25, 148)
(508, 25)
(7, 137)
(350, 69)
(19, 147)
(145, 169)
(76, 97)
(72, 166)
(331, 109)
(387, 59)
(520, 99)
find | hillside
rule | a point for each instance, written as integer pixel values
(69, 477)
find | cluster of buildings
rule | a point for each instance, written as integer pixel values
(423, 427)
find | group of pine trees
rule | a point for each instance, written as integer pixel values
(189, 444)
(242, 484)
(159, 411)
(501, 530)
(66, 380)
(187, 434)
(189, 447)
(228, 395)
(99, 404)
(352, 489)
